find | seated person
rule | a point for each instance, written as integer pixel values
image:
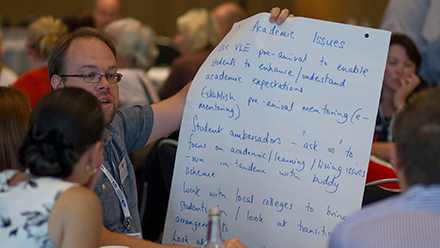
(16, 106)
(412, 218)
(400, 80)
(136, 53)
(197, 35)
(49, 204)
(41, 37)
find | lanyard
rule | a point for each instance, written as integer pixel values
(387, 124)
(121, 196)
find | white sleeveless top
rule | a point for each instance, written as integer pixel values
(25, 209)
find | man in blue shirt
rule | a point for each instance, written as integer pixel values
(411, 219)
(87, 59)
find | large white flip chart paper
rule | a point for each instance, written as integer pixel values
(277, 132)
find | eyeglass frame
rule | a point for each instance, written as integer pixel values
(118, 76)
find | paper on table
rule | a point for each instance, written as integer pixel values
(277, 132)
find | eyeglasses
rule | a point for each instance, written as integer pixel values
(95, 78)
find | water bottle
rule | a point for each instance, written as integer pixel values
(214, 235)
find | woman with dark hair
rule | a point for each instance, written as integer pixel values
(400, 80)
(15, 109)
(48, 206)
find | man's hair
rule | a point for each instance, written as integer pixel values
(56, 61)
(417, 135)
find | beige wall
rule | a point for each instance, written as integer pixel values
(161, 14)
(358, 11)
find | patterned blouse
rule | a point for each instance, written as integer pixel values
(25, 209)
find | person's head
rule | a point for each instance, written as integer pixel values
(196, 31)
(106, 11)
(403, 60)
(64, 138)
(42, 34)
(417, 133)
(226, 15)
(134, 43)
(86, 51)
(15, 109)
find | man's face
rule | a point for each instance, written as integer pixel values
(91, 55)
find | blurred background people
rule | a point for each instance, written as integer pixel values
(106, 11)
(226, 15)
(15, 110)
(7, 76)
(197, 36)
(47, 206)
(136, 53)
(42, 35)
